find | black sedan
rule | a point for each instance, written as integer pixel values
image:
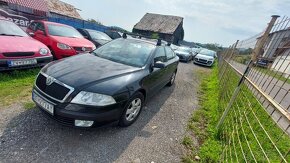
(98, 38)
(110, 84)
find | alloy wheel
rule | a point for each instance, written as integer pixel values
(133, 109)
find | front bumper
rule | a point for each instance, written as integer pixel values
(41, 61)
(203, 62)
(66, 113)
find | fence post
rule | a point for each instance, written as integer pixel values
(258, 49)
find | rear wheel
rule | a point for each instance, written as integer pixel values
(132, 110)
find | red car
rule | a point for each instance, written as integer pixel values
(18, 50)
(62, 40)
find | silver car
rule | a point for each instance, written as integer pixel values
(184, 54)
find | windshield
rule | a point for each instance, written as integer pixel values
(207, 53)
(8, 28)
(63, 31)
(133, 53)
(184, 49)
(99, 35)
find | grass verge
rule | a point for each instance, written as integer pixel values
(16, 86)
(203, 121)
(247, 122)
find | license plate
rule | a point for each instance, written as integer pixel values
(23, 62)
(43, 104)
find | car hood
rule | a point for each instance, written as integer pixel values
(85, 70)
(181, 53)
(201, 56)
(19, 44)
(74, 42)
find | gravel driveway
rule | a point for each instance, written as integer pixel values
(28, 136)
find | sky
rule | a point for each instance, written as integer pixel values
(205, 21)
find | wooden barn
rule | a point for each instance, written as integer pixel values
(166, 27)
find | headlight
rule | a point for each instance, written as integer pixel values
(43, 51)
(63, 46)
(94, 47)
(94, 99)
(211, 59)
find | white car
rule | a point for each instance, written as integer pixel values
(205, 57)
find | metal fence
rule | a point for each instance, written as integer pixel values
(77, 23)
(254, 79)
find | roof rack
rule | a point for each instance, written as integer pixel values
(139, 36)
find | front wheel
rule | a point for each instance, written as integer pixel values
(132, 110)
(172, 79)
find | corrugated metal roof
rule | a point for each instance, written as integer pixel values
(159, 23)
(62, 8)
(39, 5)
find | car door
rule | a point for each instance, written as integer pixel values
(171, 62)
(157, 77)
(40, 33)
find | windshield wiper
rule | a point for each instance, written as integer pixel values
(4, 34)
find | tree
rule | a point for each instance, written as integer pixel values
(95, 21)
(155, 36)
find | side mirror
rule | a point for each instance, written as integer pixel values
(39, 32)
(159, 65)
(31, 34)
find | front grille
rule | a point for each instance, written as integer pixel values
(18, 54)
(83, 49)
(203, 60)
(54, 90)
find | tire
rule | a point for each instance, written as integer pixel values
(129, 117)
(172, 79)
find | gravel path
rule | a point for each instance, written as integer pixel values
(28, 136)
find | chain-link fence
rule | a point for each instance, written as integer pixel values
(254, 76)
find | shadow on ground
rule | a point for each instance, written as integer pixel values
(32, 137)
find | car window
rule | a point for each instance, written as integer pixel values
(169, 53)
(99, 35)
(160, 55)
(32, 26)
(63, 31)
(40, 26)
(8, 28)
(133, 53)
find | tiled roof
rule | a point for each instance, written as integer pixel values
(159, 23)
(62, 8)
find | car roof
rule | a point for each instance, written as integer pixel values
(48, 22)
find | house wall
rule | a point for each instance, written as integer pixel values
(282, 63)
(173, 38)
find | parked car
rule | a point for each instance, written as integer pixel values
(63, 40)
(195, 51)
(97, 37)
(18, 50)
(113, 34)
(174, 47)
(184, 54)
(109, 84)
(205, 57)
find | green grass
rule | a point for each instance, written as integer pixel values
(211, 141)
(16, 86)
